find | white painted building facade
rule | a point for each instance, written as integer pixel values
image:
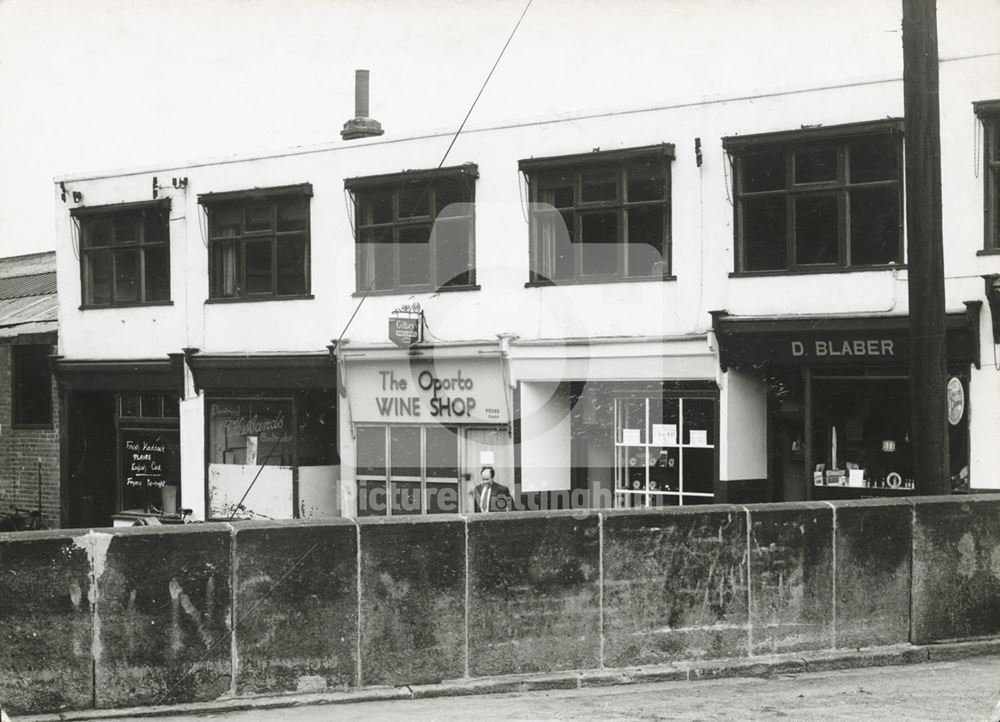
(613, 349)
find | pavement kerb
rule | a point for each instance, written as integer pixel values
(684, 671)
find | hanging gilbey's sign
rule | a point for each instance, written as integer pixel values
(406, 325)
(444, 391)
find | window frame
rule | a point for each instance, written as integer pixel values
(539, 172)
(790, 143)
(16, 401)
(244, 201)
(85, 216)
(988, 113)
(396, 184)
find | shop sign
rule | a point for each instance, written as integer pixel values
(406, 325)
(444, 391)
(956, 401)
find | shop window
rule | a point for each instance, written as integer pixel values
(665, 450)
(827, 198)
(989, 114)
(124, 254)
(258, 243)
(405, 470)
(31, 386)
(600, 217)
(148, 452)
(415, 231)
(272, 457)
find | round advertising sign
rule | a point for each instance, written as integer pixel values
(956, 401)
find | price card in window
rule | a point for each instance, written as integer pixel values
(630, 437)
(664, 434)
(699, 437)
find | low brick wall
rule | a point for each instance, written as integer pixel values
(141, 616)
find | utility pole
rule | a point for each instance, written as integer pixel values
(925, 256)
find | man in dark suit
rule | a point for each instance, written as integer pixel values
(491, 495)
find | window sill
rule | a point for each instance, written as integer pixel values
(259, 299)
(988, 252)
(410, 292)
(112, 306)
(598, 281)
(817, 271)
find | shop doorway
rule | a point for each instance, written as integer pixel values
(487, 446)
(90, 459)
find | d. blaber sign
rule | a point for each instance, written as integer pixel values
(444, 391)
(856, 348)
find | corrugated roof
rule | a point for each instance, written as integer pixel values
(32, 309)
(40, 284)
(28, 265)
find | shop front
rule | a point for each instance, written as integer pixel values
(121, 457)
(421, 423)
(838, 399)
(270, 435)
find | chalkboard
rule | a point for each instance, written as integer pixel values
(150, 460)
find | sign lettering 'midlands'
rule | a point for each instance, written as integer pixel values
(445, 391)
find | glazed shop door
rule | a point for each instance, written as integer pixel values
(478, 444)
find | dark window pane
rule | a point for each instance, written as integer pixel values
(150, 405)
(764, 234)
(442, 453)
(32, 384)
(657, 500)
(96, 232)
(646, 183)
(557, 192)
(406, 498)
(404, 450)
(763, 171)
(371, 451)
(130, 405)
(371, 498)
(227, 222)
(154, 225)
(816, 166)
(442, 499)
(126, 229)
(645, 241)
(452, 199)
(376, 207)
(291, 265)
(699, 470)
(664, 469)
(699, 415)
(452, 241)
(258, 266)
(816, 230)
(157, 268)
(126, 276)
(293, 215)
(376, 253)
(225, 269)
(415, 200)
(595, 186)
(875, 233)
(170, 407)
(599, 243)
(99, 277)
(873, 159)
(414, 256)
(259, 218)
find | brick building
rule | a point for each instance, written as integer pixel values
(29, 416)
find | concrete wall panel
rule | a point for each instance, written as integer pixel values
(533, 593)
(45, 623)
(295, 605)
(163, 615)
(675, 586)
(412, 600)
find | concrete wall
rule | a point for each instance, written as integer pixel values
(143, 616)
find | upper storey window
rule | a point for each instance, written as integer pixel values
(601, 216)
(415, 230)
(258, 243)
(989, 113)
(124, 253)
(818, 198)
